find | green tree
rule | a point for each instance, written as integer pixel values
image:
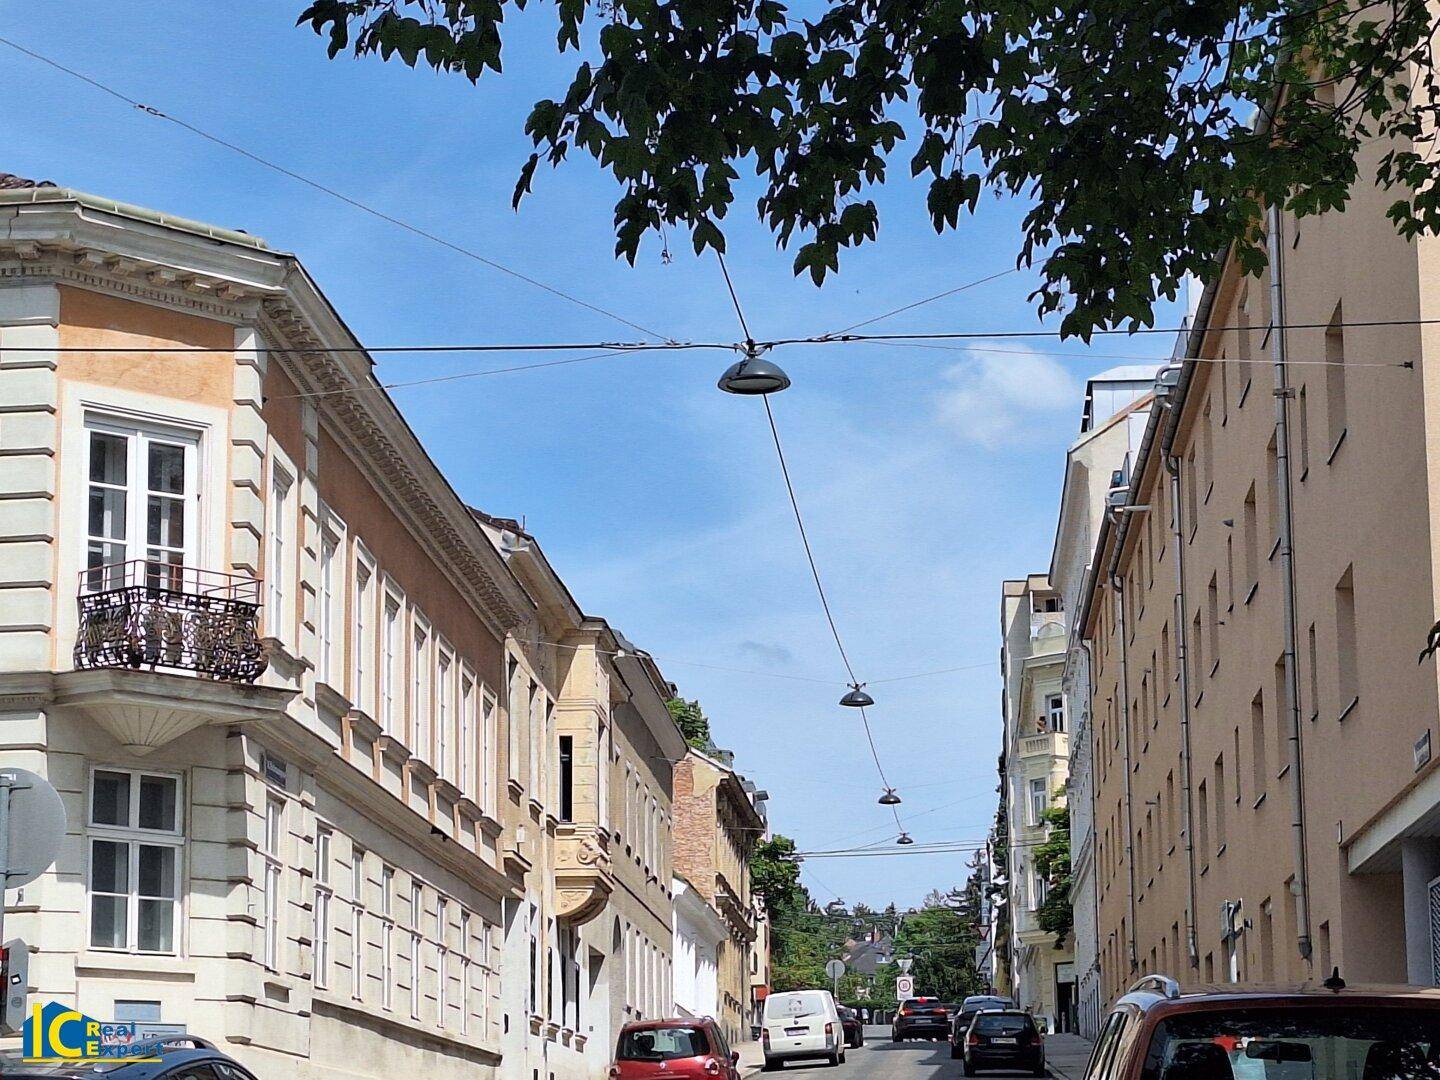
(692, 722)
(775, 876)
(1052, 861)
(1124, 123)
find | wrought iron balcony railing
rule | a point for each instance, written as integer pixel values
(150, 614)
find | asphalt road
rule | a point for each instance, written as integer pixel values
(881, 1059)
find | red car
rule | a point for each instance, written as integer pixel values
(683, 1048)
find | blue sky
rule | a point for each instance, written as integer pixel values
(927, 476)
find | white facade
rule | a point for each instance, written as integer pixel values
(698, 933)
(1117, 404)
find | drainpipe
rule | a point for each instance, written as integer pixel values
(1182, 656)
(1287, 578)
(1094, 806)
(1117, 583)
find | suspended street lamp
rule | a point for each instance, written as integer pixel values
(904, 838)
(889, 798)
(857, 698)
(753, 375)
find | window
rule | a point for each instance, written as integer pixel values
(1303, 408)
(1252, 543)
(272, 857)
(357, 926)
(320, 930)
(517, 706)
(1212, 613)
(1335, 378)
(465, 774)
(534, 736)
(464, 972)
(1345, 641)
(489, 743)
(326, 622)
(141, 501)
(1313, 660)
(1055, 712)
(1272, 492)
(415, 901)
(420, 691)
(1258, 745)
(135, 839)
(1202, 823)
(567, 778)
(1220, 801)
(1038, 891)
(1038, 801)
(364, 644)
(391, 678)
(277, 565)
(387, 937)
(444, 716)
(442, 957)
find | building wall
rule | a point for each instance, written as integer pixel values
(1363, 542)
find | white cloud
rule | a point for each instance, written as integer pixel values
(991, 398)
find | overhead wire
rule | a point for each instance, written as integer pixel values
(416, 230)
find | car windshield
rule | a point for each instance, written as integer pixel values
(1329, 1043)
(796, 1004)
(1002, 1024)
(662, 1044)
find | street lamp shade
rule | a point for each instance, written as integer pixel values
(753, 375)
(904, 838)
(889, 798)
(857, 698)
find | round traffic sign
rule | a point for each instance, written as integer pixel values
(835, 968)
(36, 826)
(905, 986)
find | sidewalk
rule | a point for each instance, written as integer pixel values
(1067, 1055)
(752, 1056)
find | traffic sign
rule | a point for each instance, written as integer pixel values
(835, 968)
(904, 987)
(32, 825)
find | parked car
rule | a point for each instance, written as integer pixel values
(853, 1026)
(921, 1018)
(177, 1056)
(687, 1048)
(965, 1015)
(802, 1025)
(1324, 1032)
(1004, 1040)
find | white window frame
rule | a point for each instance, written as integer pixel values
(442, 958)
(535, 695)
(514, 697)
(1036, 811)
(417, 906)
(133, 836)
(324, 894)
(280, 550)
(444, 690)
(138, 436)
(330, 601)
(273, 856)
(1055, 712)
(467, 716)
(422, 649)
(489, 749)
(357, 923)
(465, 971)
(392, 658)
(387, 936)
(366, 585)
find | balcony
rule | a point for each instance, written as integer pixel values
(160, 616)
(1045, 743)
(583, 878)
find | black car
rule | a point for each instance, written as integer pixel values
(921, 1018)
(960, 1024)
(1004, 1040)
(180, 1057)
(853, 1028)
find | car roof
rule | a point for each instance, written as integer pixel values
(119, 1069)
(670, 1022)
(1162, 993)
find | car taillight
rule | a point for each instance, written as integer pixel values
(614, 1072)
(712, 1066)
(904, 1012)
(829, 1029)
(973, 1040)
(764, 1035)
(938, 1012)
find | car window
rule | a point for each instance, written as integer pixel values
(1105, 1047)
(1002, 1024)
(228, 1070)
(199, 1070)
(663, 1044)
(795, 1004)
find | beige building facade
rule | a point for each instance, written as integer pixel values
(1266, 796)
(1034, 772)
(347, 775)
(717, 826)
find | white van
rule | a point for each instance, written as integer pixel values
(800, 1025)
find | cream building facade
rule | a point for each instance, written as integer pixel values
(1266, 789)
(1035, 766)
(347, 777)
